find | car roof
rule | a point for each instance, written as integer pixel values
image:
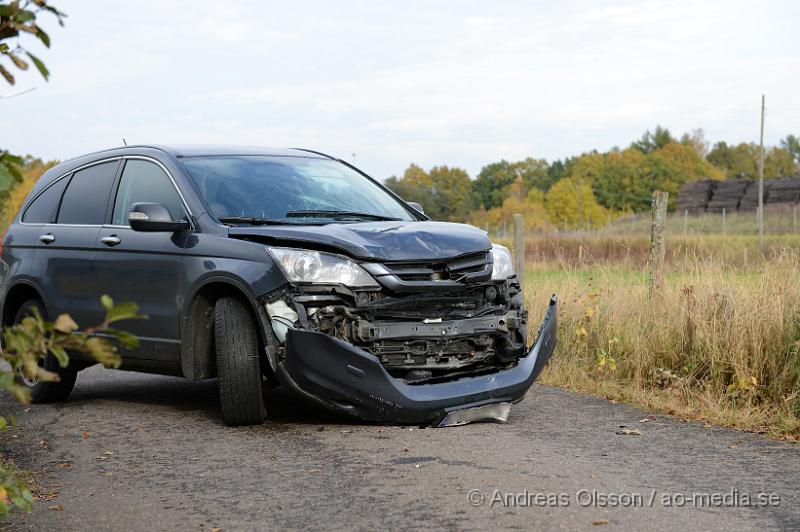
(198, 150)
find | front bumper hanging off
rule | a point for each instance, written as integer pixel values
(345, 378)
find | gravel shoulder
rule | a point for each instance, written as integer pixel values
(132, 452)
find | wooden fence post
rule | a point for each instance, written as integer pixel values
(519, 247)
(724, 228)
(657, 246)
(685, 215)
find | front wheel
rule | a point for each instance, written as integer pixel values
(238, 363)
(50, 391)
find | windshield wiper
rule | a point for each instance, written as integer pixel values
(252, 220)
(340, 214)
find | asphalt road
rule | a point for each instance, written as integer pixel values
(141, 452)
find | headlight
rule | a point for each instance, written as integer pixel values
(304, 266)
(502, 267)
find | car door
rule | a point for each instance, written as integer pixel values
(141, 267)
(64, 262)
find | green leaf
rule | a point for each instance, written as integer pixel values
(59, 15)
(104, 352)
(26, 16)
(4, 47)
(15, 159)
(44, 37)
(106, 301)
(22, 65)
(6, 74)
(65, 324)
(14, 171)
(3, 424)
(125, 338)
(123, 311)
(39, 66)
(61, 355)
(5, 11)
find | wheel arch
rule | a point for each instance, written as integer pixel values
(198, 359)
(16, 295)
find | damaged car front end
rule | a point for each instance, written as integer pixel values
(441, 342)
(366, 306)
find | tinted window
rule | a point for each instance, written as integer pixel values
(143, 181)
(86, 198)
(43, 209)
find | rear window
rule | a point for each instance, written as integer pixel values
(86, 198)
(44, 207)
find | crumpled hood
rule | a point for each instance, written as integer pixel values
(386, 241)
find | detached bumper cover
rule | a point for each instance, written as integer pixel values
(348, 379)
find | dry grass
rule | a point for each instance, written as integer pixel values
(684, 253)
(720, 343)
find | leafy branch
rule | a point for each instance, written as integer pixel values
(29, 341)
(17, 18)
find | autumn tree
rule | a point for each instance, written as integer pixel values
(741, 161)
(625, 180)
(491, 186)
(571, 204)
(696, 140)
(444, 192)
(521, 199)
(650, 142)
(792, 145)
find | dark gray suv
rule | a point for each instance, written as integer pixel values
(276, 267)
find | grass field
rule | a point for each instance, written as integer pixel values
(720, 343)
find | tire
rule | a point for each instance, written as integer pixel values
(47, 392)
(238, 364)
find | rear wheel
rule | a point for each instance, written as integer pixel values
(46, 392)
(238, 363)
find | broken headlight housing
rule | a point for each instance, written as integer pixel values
(502, 265)
(315, 267)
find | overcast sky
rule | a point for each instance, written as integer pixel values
(461, 83)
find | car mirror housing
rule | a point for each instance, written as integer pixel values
(154, 217)
(416, 206)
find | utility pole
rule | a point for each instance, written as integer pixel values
(761, 180)
(580, 202)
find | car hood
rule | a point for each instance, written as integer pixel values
(385, 241)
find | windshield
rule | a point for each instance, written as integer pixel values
(290, 189)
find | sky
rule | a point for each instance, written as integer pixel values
(384, 84)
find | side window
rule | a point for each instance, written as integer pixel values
(143, 181)
(44, 207)
(86, 197)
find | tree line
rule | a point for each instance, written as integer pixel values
(589, 189)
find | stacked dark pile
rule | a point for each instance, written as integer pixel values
(694, 196)
(782, 190)
(750, 199)
(727, 195)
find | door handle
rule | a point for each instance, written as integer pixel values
(110, 241)
(47, 239)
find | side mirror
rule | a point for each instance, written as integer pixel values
(416, 206)
(153, 218)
